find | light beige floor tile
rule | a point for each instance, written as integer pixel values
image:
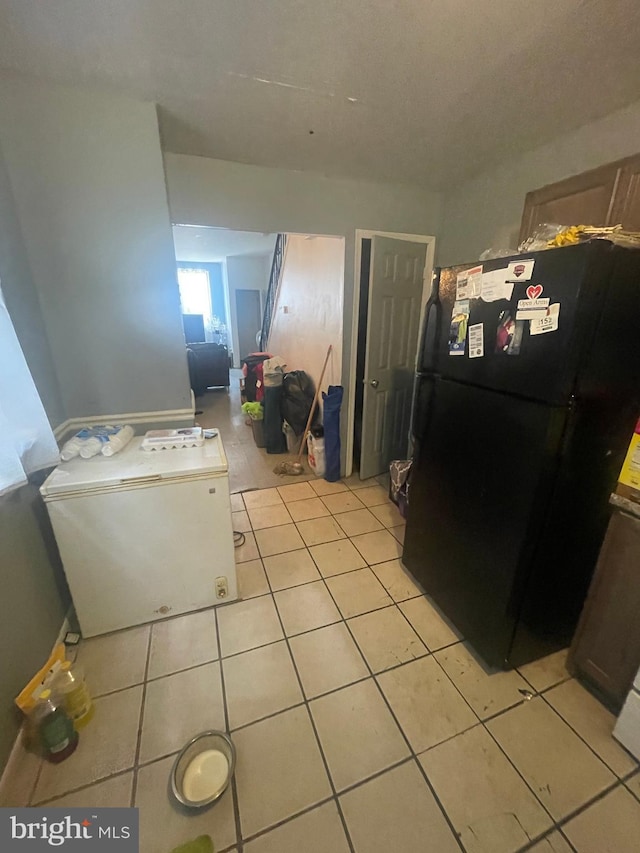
(358, 522)
(115, 660)
(612, 825)
(244, 625)
(277, 540)
(19, 775)
(179, 706)
(321, 487)
(112, 793)
(547, 671)
(633, 784)
(269, 516)
(430, 624)
(259, 683)
(291, 569)
(593, 722)
(552, 843)
(342, 502)
(486, 800)
(358, 592)
(486, 690)
(425, 702)
(252, 580)
(396, 580)
(279, 770)
(107, 745)
(388, 514)
(386, 638)
(240, 521)
(317, 831)
(303, 608)
(296, 492)
(164, 825)
(248, 550)
(261, 497)
(378, 547)
(237, 504)
(356, 484)
(398, 533)
(315, 531)
(327, 659)
(397, 812)
(183, 642)
(559, 767)
(359, 736)
(311, 508)
(373, 495)
(334, 558)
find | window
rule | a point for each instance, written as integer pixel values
(195, 298)
(26, 440)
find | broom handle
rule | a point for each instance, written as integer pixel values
(315, 403)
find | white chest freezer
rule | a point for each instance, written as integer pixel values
(143, 534)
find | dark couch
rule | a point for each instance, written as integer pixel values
(208, 366)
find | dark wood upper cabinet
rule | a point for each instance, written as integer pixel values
(608, 195)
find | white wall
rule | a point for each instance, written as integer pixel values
(245, 272)
(309, 309)
(487, 210)
(203, 191)
(87, 177)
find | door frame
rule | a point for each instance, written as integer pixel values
(366, 234)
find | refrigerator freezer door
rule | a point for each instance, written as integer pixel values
(134, 466)
(141, 554)
(477, 496)
(538, 366)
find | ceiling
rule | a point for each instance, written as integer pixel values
(416, 91)
(201, 244)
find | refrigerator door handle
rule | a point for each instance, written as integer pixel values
(432, 314)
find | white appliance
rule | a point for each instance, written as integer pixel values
(143, 534)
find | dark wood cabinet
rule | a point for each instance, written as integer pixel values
(605, 652)
(608, 195)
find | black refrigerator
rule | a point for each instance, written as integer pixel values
(527, 394)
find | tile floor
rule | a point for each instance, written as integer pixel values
(250, 467)
(363, 722)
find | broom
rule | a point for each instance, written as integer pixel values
(295, 468)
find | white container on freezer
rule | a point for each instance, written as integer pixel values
(142, 535)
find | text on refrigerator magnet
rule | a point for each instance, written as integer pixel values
(548, 323)
(469, 283)
(476, 341)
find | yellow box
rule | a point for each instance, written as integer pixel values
(630, 473)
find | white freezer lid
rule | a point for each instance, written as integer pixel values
(136, 466)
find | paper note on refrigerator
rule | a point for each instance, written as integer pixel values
(548, 323)
(469, 283)
(476, 340)
(495, 286)
(458, 329)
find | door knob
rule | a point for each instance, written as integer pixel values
(374, 383)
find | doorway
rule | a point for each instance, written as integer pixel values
(249, 320)
(393, 272)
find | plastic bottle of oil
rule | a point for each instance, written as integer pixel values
(57, 736)
(70, 686)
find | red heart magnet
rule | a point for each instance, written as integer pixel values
(533, 292)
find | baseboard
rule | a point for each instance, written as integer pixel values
(141, 421)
